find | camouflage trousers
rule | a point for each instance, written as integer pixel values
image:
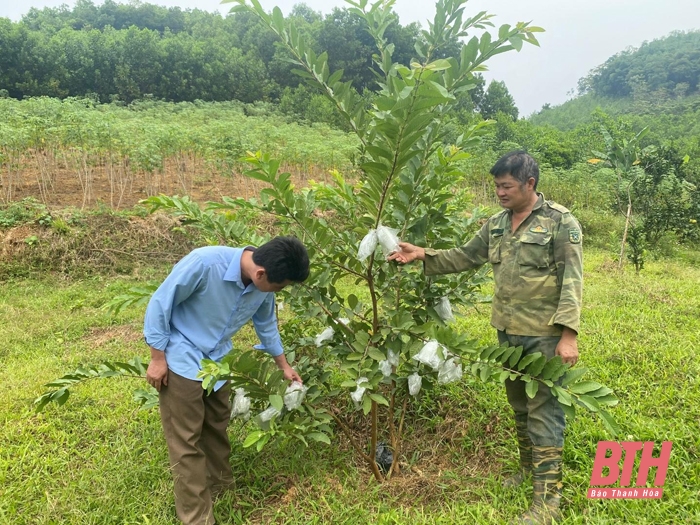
(540, 418)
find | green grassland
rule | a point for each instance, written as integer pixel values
(100, 460)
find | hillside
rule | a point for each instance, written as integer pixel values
(660, 77)
(673, 119)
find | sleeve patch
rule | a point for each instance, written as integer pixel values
(574, 236)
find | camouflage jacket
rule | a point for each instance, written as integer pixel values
(538, 269)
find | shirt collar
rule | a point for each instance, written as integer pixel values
(233, 272)
(538, 204)
(540, 201)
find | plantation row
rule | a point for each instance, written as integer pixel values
(76, 152)
(162, 148)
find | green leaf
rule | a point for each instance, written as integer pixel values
(531, 389)
(516, 356)
(589, 402)
(584, 387)
(252, 438)
(439, 65)
(516, 42)
(277, 401)
(569, 411)
(607, 401)
(262, 442)
(507, 353)
(484, 372)
(379, 399)
(319, 436)
(503, 31)
(609, 423)
(376, 354)
(277, 19)
(572, 375)
(468, 54)
(525, 361)
(562, 395)
(335, 77)
(366, 405)
(551, 367)
(497, 355)
(603, 391)
(488, 352)
(536, 367)
(362, 338)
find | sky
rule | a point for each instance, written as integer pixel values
(580, 34)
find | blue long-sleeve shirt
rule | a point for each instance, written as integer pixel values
(201, 305)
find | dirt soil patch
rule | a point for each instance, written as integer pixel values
(65, 188)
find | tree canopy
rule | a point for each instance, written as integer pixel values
(498, 99)
(671, 64)
(125, 52)
(128, 51)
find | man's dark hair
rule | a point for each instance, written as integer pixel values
(284, 259)
(518, 164)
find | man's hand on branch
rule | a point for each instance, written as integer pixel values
(292, 375)
(289, 373)
(408, 253)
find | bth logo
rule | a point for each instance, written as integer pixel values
(612, 462)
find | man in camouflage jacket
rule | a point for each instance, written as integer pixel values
(534, 247)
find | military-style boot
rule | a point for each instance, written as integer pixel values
(546, 485)
(525, 448)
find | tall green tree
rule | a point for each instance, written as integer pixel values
(497, 99)
(623, 156)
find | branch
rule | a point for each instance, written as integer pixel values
(397, 149)
(373, 442)
(343, 426)
(397, 450)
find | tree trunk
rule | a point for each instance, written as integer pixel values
(624, 233)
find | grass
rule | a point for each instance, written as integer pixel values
(98, 460)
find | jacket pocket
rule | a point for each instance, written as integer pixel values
(495, 250)
(535, 250)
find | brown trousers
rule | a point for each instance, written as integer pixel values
(195, 430)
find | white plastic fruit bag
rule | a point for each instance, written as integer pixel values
(385, 367)
(449, 371)
(444, 310)
(429, 355)
(414, 383)
(241, 405)
(367, 245)
(388, 239)
(263, 418)
(324, 336)
(294, 395)
(357, 394)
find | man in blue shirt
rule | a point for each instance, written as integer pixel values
(209, 295)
